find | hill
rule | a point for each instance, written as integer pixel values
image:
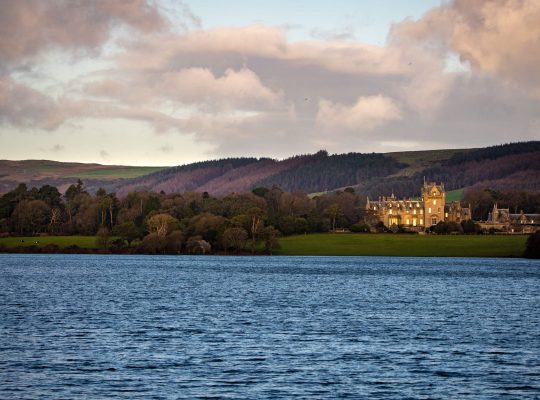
(508, 166)
(62, 174)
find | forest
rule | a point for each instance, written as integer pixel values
(194, 222)
(171, 223)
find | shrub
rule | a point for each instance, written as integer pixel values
(470, 227)
(234, 238)
(360, 228)
(197, 245)
(152, 244)
(174, 242)
(454, 227)
(380, 227)
(532, 248)
(441, 228)
(50, 248)
(102, 237)
(127, 231)
(72, 249)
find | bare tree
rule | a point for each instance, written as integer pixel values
(161, 224)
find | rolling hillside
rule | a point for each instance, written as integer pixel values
(62, 174)
(509, 166)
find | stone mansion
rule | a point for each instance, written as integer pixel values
(418, 213)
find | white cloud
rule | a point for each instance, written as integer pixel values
(366, 114)
(497, 37)
(195, 85)
(250, 91)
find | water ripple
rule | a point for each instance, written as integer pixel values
(139, 327)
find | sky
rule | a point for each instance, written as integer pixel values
(167, 82)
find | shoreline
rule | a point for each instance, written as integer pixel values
(319, 244)
(268, 255)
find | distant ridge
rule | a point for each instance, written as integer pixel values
(508, 166)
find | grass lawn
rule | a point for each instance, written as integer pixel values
(454, 195)
(329, 244)
(353, 244)
(116, 173)
(62, 241)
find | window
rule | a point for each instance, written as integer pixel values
(408, 222)
(414, 222)
(429, 210)
(446, 215)
(434, 221)
(434, 202)
(414, 212)
(390, 211)
(421, 221)
(439, 209)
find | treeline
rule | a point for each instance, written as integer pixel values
(493, 152)
(173, 223)
(322, 172)
(509, 171)
(482, 201)
(307, 173)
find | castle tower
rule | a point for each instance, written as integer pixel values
(494, 215)
(434, 199)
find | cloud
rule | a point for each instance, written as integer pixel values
(497, 37)
(365, 115)
(167, 149)
(258, 42)
(237, 88)
(241, 88)
(249, 90)
(347, 33)
(21, 105)
(28, 27)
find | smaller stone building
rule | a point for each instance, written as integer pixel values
(456, 213)
(501, 219)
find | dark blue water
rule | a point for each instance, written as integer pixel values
(84, 326)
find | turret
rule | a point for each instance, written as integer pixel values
(434, 198)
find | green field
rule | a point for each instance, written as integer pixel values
(116, 173)
(327, 244)
(62, 241)
(419, 160)
(454, 195)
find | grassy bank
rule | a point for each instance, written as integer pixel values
(116, 173)
(328, 244)
(403, 245)
(86, 242)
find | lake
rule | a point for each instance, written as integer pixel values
(139, 327)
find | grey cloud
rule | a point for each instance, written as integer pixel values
(500, 38)
(318, 90)
(29, 26)
(167, 149)
(347, 33)
(24, 106)
(251, 91)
